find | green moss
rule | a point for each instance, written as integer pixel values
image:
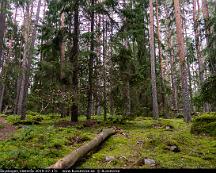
(38, 146)
(204, 124)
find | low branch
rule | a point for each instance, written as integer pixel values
(70, 160)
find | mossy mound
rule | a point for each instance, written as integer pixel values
(204, 124)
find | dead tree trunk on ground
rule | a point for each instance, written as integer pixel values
(70, 160)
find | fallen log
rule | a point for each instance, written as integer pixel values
(69, 160)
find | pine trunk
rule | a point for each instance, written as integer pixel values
(184, 82)
(74, 61)
(91, 63)
(152, 54)
(160, 59)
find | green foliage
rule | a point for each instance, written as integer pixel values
(204, 124)
(1, 126)
(208, 89)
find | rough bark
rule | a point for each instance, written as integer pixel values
(70, 160)
(62, 62)
(205, 12)
(181, 53)
(74, 61)
(104, 66)
(197, 41)
(2, 30)
(160, 58)
(90, 65)
(173, 75)
(152, 54)
(27, 56)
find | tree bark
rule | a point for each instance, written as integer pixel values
(160, 59)
(197, 41)
(91, 63)
(27, 57)
(173, 74)
(104, 66)
(2, 31)
(181, 49)
(62, 62)
(70, 160)
(152, 54)
(75, 62)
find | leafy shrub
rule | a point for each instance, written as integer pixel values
(204, 124)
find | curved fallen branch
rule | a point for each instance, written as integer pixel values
(69, 160)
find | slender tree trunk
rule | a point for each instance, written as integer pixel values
(160, 58)
(205, 12)
(181, 49)
(152, 53)
(104, 66)
(2, 31)
(97, 92)
(197, 41)
(2, 90)
(126, 92)
(62, 63)
(188, 66)
(91, 62)
(111, 81)
(75, 62)
(173, 75)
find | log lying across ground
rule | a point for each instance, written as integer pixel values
(69, 160)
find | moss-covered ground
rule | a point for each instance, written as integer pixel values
(42, 143)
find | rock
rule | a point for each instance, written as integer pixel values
(109, 158)
(174, 148)
(140, 142)
(150, 162)
(169, 127)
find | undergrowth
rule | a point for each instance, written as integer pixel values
(41, 145)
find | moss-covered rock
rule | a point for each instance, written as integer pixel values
(204, 124)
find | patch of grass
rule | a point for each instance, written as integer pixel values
(204, 124)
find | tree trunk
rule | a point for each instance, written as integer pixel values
(127, 100)
(2, 31)
(197, 41)
(70, 160)
(160, 59)
(2, 90)
(205, 12)
(27, 57)
(91, 61)
(181, 49)
(75, 62)
(173, 75)
(104, 66)
(152, 53)
(62, 63)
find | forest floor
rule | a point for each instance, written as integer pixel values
(166, 143)
(5, 129)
